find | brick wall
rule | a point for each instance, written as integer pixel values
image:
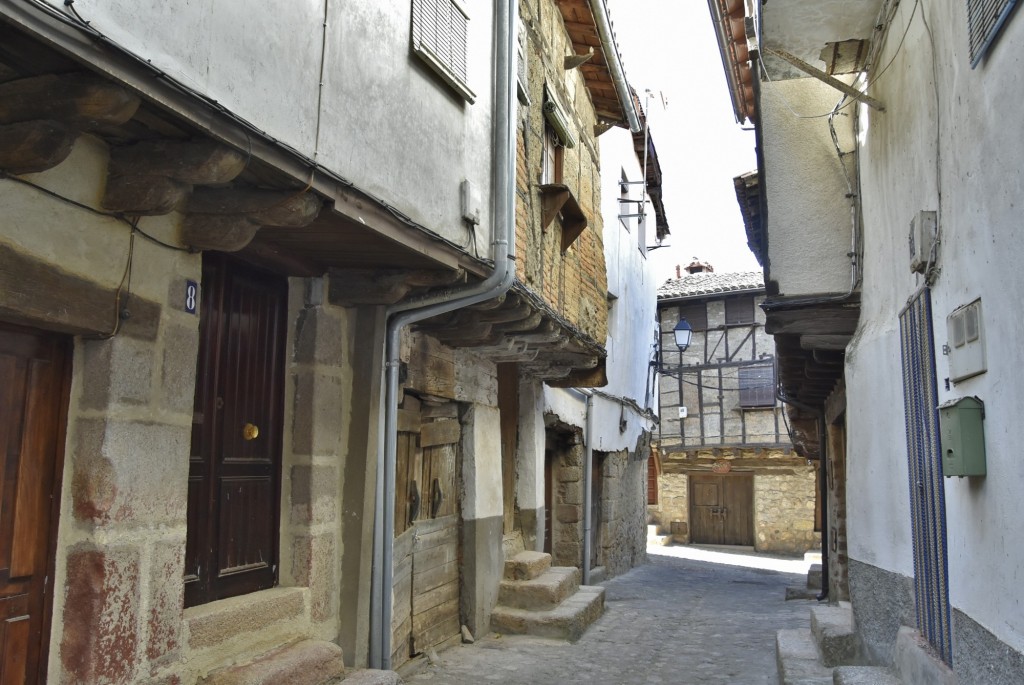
(574, 282)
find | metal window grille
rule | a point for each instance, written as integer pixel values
(757, 385)
(927, 501)
(984, 19)
(439, 37)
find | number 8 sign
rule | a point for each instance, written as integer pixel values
(191, 296)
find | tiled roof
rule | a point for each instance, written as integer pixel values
(710, 283)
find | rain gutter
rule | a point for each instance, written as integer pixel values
(402, 314)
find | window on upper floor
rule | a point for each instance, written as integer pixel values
(984, 20)
(739, 311)
(757, 385)
(696, 314)
(552, 157)
(440, 30)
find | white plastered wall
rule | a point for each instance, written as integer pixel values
(953, 141)
(386, 122)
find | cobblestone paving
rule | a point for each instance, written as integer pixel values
(672, 620)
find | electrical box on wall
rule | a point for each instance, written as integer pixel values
(962, 435)
(966, 342)
(922, 237)
(682, 412)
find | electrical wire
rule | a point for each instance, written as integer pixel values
(118, 216)
(75, 20)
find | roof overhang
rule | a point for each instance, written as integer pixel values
(350, 228)
(748, 196)
(589, 28)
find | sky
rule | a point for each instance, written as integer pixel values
(669, 47)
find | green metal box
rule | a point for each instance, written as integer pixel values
(962, 432)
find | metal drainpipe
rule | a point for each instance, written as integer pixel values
(588, 477)
(405, 313)
(823, 479)
(611, 57)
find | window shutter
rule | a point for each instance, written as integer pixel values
(695, 314)
(984, 19)
(757, 386)
(739, 310)
(440, 34)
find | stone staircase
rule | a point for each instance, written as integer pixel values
(655, 537)
(828, 654)
(536, 598)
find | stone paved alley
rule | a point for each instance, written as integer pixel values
(673, 620)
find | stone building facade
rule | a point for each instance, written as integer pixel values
(728, 473)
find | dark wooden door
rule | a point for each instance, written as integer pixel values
(426, 549)
(722, 509)
(33, 392)
(508, 407)
(235, 465)
(549, 497)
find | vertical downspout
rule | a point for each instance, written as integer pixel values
(588, 478)
(823, 488)
(400, 315)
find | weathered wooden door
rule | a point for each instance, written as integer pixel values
(427, 551)
(722, 509)
(33, 391)
(235, 463)
(508, 406)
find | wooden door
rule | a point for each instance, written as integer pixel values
(33, 402)
(722, 509)
(508, 407)
(427, 553)
(235, 464)
(549, 497)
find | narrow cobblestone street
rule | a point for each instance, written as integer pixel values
(672, 620)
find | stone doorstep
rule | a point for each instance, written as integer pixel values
(309, 662)
(546, 591)
(917, 663)
(864, 675)
(217, 623)
(370, 676)
(832, 628)
(568, 621)
(798, 660)
(527, 565)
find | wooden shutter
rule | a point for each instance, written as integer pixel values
(696, 315)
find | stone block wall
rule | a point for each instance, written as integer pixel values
(784, 512)
(624, 516)
(567, 523)
(573, 282)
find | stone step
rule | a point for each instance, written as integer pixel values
(814, 577)
(527, 565)
(798, 660)
(309, 662)
(832, 627)
(864, 675)
(567, 621)
(546, 591)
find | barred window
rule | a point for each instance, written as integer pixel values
(439, 38)
(757, 385)
(984, 19)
